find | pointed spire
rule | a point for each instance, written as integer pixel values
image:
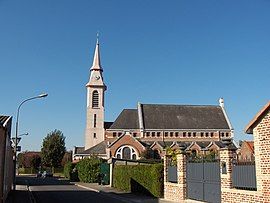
(96, 61)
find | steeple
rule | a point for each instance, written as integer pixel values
(94, 132)
(96, 61)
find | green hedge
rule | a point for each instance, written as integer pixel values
(27, 171)
(147, 179)
(70, 171)
(88, 169)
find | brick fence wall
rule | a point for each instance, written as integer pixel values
(175, 191)
(260, 127)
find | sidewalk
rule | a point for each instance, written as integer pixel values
(121, 195)
(20, 195)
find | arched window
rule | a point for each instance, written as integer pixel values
(126, 152)
(95, 98)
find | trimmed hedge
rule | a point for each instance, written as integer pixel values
(70, 171)
(89, 169)
(146, 179)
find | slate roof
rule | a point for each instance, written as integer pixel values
(78, 150)
(97, 149)
(128, 119)
(3, 119)
(107, 124)
(156, 116)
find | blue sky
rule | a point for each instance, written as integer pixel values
(176, 52)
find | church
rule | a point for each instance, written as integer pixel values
(148, 126)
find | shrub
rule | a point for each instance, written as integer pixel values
(147, 179)
(89, 169)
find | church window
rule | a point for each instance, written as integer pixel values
(184, 134)
(95, 120)
(147, 134)
(189, 134)
(211, 134)
(171, 134)
(166, 134)
(176, 134)
(153, 134)
(158, 134)
(202, 134)
(222, 134)
(134, 134)
(227, 134)
(95, 135)
(134, 157)
(194, 134)
(126, 152)
(119, 134)
(206, 134)
(95, 99)
(114, 134)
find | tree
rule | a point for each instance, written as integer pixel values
(29, 159)
(67, 158)
(53, 149)
(150, 154)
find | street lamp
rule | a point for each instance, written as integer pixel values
(22, 134)
(16, 132)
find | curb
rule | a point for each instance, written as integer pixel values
(87, 188)
(107, 194)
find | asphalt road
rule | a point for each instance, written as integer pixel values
(52, 190)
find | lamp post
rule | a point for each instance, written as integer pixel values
(16, 133)
(22, 134)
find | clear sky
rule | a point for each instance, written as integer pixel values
(175, 52)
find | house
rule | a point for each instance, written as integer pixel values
(246, 151)
(6, 157)
(149, 126)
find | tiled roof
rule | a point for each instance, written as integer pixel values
(107, 125)
(97, 149)
(78, 150)
(250, 126)
(157, 116)
(160, 116)
(128, 119)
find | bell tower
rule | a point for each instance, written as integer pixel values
(94, 132)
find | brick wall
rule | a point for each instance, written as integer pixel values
(175, 191)
(261, 133)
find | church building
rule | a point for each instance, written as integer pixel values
(148, 126)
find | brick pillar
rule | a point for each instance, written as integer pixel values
(226, 156)
(166, 164)
(181, 175)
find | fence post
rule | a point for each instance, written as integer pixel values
(181, 175)
(226, 156)
(111, 162)
(166, 164)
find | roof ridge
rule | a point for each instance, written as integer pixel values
(182, 105)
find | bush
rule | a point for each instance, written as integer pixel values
(70, 171)
(147, 179)
(27, 170)
(89, 169)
